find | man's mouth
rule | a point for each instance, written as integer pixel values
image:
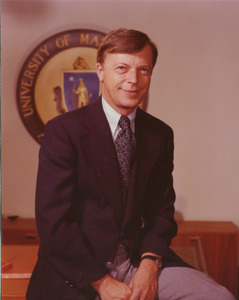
(131, 92)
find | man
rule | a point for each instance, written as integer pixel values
(105, 197)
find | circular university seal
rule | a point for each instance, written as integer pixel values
(59, 75)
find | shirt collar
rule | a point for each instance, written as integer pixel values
(113, 117)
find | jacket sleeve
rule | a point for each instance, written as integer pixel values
(158, 206)
(63, 243)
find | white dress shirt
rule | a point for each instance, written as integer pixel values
(113, 118)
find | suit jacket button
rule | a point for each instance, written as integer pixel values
(109, 265)
(72, 286)
(66, 282)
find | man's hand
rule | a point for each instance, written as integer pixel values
(145, 281)
(111, 289)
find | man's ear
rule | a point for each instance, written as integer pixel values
(100, 71)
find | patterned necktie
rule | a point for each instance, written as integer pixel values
(125, 145)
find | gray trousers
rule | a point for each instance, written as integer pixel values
(174, 282)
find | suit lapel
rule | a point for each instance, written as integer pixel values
(100, 150)
(149, 143)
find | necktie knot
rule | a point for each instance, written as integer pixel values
(124, 122)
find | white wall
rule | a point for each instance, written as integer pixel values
(195, 89)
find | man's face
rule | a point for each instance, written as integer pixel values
(126, 78)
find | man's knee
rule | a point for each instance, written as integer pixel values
(187, 283)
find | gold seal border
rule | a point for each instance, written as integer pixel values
(34, 63)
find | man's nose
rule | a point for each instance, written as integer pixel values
(132, 76)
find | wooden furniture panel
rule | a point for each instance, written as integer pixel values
(19, 231)
(220, 247)
(192, 253)
(15, 279)
(219, 242)
(22, 258)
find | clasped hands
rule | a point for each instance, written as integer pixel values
(143, 285)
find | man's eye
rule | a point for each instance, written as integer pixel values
(145, 71)
(121, 69)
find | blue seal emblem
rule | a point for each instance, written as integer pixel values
(79, 89)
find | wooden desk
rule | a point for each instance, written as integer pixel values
(23, 258)
(19, 231)
(15, 280)
(192, 254)
(219, 242)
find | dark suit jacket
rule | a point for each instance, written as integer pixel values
(80, 214)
